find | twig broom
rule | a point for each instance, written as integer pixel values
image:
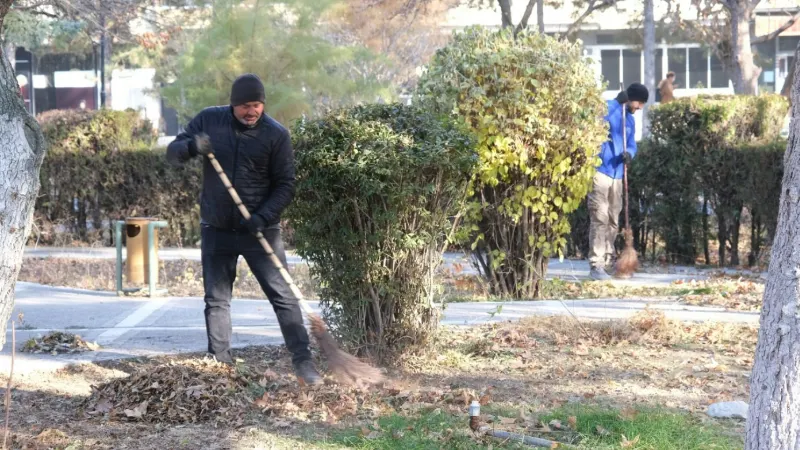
(345, 367)
(628, 261)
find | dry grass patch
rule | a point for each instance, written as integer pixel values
(550, 361)
(522, 372)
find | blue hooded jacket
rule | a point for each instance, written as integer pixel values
(611, 151)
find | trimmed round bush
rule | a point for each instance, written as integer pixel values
(535, 107)
(380, 190)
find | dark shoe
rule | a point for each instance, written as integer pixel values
(306, 373)
(599, 274)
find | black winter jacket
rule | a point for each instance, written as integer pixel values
(259, 161)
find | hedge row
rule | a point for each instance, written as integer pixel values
(710, 162)
(99, 168)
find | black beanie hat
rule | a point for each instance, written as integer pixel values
(637, 93)
(247, 88)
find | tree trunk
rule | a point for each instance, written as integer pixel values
(734, 237)
(10, 49)
(755, 240)
(22, 147)
(706, 252)
(722, 236)
(505, 13)
(649, 61)
(540, 15)
(653, 246)
(786, 91)
(745, 71)
(775, 380)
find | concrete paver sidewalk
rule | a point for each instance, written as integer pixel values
(572, 270)
(130, 326)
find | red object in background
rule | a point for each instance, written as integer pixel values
(25, 94)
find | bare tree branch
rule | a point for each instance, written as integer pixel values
(768, 37)
(526, 16)
(594, 5)
(786, 90)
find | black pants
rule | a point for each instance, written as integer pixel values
(220, 251)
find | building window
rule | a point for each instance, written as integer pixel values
(631, 67)
(788, 43)
(719, 77)
(676, 62)
(698, 68)
(607, 39)
(660, 75)
(610, 68)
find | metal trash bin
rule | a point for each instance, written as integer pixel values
(137, 263)
(141, 265)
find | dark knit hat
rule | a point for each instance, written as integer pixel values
(247, 88)
(637, 93)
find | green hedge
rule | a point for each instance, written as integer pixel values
(82, 193)
(711, 153)
(100, 132)
(100, 168)
(380, 190)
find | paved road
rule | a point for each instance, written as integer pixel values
(130, 326)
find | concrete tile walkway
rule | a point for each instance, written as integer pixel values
(129, 326)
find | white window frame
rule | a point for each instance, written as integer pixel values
(666, 48)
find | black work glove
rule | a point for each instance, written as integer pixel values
(200, 145)
(627, 158)
(256, 224)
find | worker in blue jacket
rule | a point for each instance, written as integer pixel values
(605, 198)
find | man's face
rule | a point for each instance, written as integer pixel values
(248, 113)
(634, 106)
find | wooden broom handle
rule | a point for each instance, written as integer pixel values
(267, 248)
(625, 166)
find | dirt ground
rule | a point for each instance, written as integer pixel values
(532, 366)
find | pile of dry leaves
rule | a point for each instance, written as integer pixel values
(178, 392)
(201, 390)
(59, 342)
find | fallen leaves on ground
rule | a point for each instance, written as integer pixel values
(179, 392)
(550, 361)
(520, 370)
(741, 294)
(629, 443)
(202, 390)
(57, 342)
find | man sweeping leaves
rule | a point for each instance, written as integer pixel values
(605, 198)
(255, 152)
